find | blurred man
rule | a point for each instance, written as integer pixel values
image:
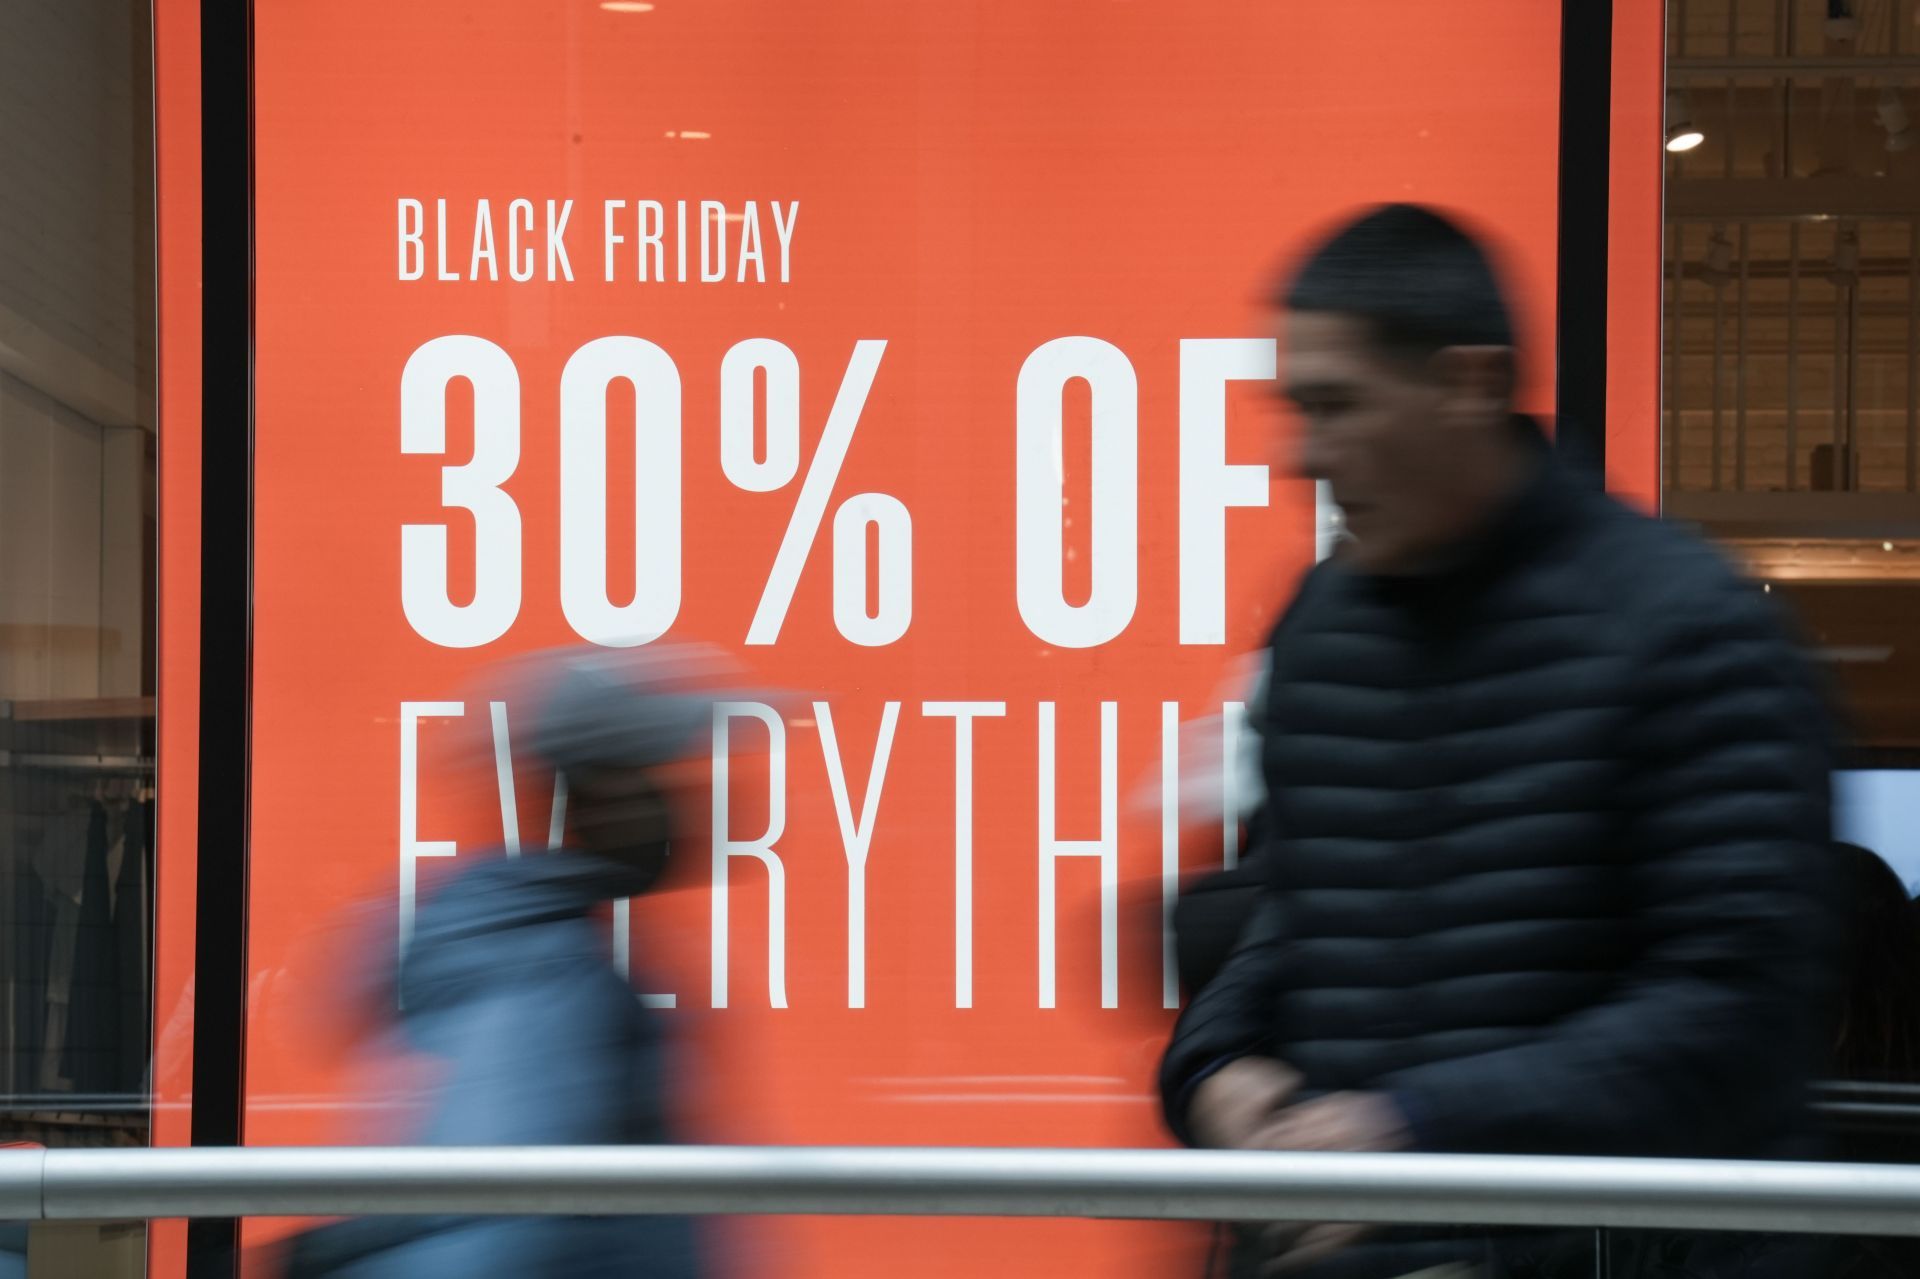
(1546, 787)
(508, 985)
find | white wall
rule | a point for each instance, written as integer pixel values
(49, 547)
(75, 208)
(76, 346)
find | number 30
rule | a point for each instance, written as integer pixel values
(475, 488)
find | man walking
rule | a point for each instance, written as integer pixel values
(1546, 787)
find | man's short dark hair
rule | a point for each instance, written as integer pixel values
(1415, 276)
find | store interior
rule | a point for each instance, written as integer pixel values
(1791, 334)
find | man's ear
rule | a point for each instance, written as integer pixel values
(1476, 381)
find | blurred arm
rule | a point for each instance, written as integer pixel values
(1231, 1016)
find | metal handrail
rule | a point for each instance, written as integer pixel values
(1822, 1093)
(1863, 1199)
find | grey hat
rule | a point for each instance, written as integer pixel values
(622, 709)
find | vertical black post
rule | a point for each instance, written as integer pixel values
(226, 536)
(1580, 321)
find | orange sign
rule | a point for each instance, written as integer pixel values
(914, 353)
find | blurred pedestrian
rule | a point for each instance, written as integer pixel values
(1546, 787)
(508, 984)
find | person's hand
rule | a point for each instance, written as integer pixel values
(1240, 1100)
(1357, 1121)
(1294, 1246)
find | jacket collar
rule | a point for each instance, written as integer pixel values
(1525, 524)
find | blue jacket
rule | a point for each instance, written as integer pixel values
(508, 983)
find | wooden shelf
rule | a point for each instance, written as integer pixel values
(74, 709)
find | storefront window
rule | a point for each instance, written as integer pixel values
(1792, 341)
(77, 577)
(916, 356)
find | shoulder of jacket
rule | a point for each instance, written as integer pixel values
(1666, 582)
(1317, 586)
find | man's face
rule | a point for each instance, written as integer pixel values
(1393, 437)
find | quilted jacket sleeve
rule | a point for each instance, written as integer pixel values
(1706, 1044)
(1231, 1017)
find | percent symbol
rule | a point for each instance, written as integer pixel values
(892, 566)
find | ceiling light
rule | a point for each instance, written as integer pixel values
(1684, 139)
(1856, 653)
(1886, 546)
(1682, 134)
(626, 6)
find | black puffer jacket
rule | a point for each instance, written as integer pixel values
(1547, 836)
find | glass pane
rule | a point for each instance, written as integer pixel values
(682, 295)
(1792, 341)
(77, 576)
(1792, 424)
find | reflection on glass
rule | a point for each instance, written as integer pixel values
(77, 543)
